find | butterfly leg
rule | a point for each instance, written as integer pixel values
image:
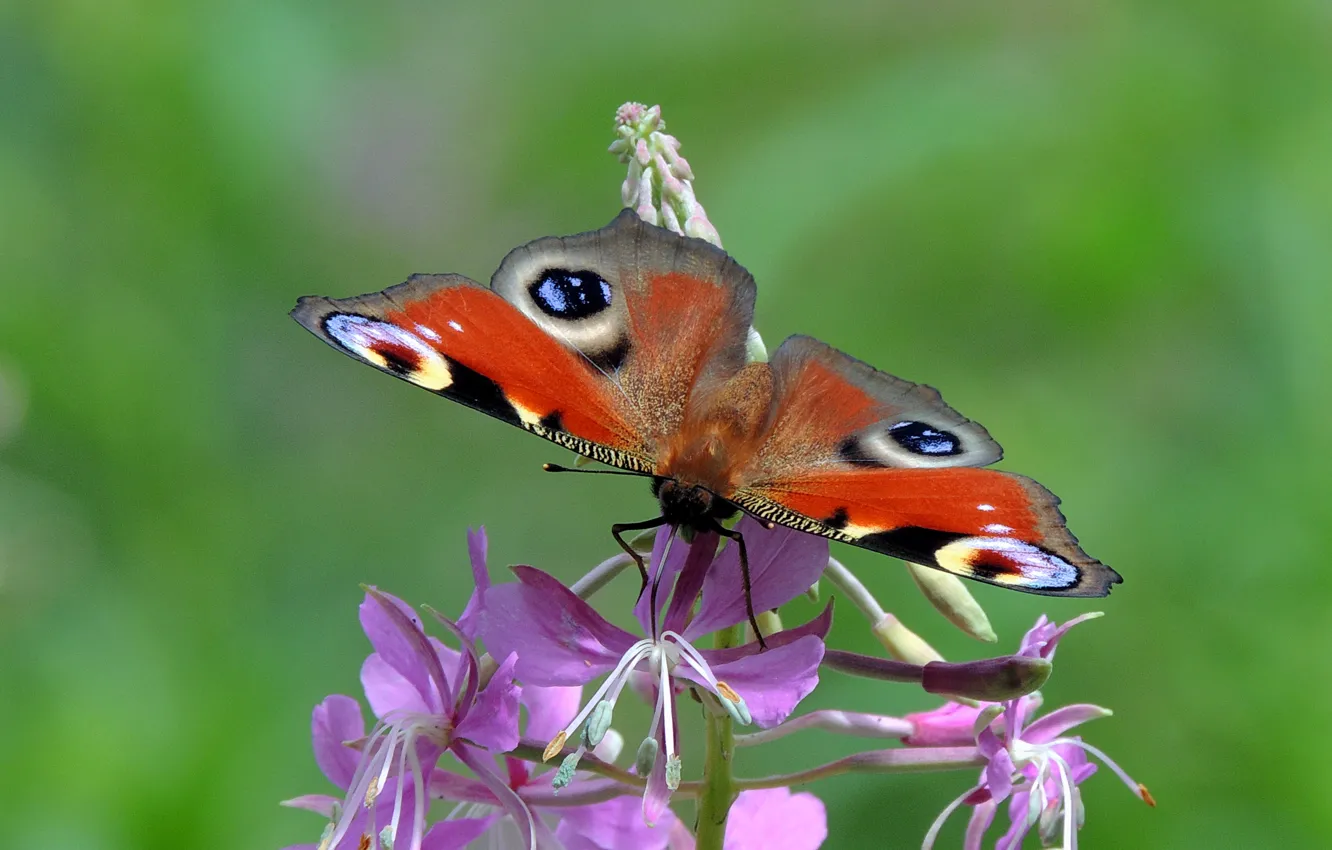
(620, 527)
(739, 539)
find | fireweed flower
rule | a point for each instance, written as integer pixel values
(609, 824)
(560, 640)
(1033, 764)
(429, 701)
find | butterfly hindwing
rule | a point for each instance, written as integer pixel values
(995, 527)
(864, 457)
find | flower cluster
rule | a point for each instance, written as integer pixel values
(503, 734)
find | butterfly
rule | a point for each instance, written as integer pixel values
(628, 346)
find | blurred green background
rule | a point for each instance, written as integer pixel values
(1102, 229)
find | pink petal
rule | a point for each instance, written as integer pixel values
(1059, 721)
(477, 545)
(999, 775)
(776, 819)
(549, 709)
(660, 574)
(320, 804)
(456, 834)
(613, 825)
(1020, 824)
(697, 565)
(387, 690)
(336, 721)
(950, 725)
(783, 563)
(981, 818)
(447, 785)
(492, 722)
(772, 683)
(559, 638)
(818, 627)
(395, 632)
(529, 824)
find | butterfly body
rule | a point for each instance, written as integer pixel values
(628, 345)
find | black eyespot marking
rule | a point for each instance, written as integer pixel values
(838, 520)
(921, 439)
(852, 452)
(565, 294)
(612, 358)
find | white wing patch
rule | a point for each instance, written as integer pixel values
(368, 339)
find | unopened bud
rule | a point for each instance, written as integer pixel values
(949, 594)
(991, 680)
(612, 744)
(902, 643)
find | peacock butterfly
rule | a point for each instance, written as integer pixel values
(628, 346)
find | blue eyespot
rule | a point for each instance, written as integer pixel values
(921, 439)
(565, 294)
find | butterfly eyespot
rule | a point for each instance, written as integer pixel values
(391, 348)
(572, 295)
(922, 439)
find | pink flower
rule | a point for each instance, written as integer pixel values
(430, 701)
(560, 640)
(1034, 765)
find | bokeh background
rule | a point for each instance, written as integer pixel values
(1104, 229)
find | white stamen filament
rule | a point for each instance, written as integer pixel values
(616, 679)
(943, 816)
(1105, 759)
(691, 656)
(666, 699)
(395, 735)
(1070, 834)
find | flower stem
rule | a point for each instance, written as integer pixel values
(718, 791)
(899, 760)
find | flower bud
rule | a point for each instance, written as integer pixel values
(902, 643)
(949, 594)
(991, 680)
(612, 744)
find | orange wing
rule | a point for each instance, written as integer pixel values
(594, 341)
(869, 459)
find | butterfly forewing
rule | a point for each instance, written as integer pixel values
(594, 341)
(658, 315)
(458, 339)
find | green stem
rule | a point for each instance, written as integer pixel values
(719, 790)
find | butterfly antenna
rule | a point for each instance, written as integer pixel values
(739, 539)
(555, 467)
